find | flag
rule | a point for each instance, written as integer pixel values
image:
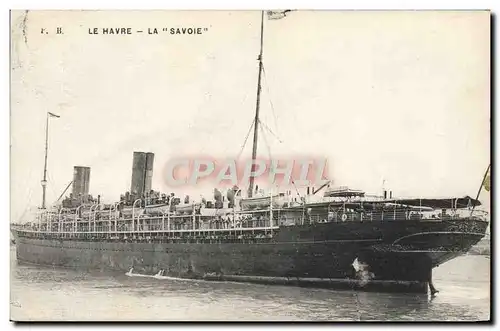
(53, 115)
(277, 14)
(486, 182)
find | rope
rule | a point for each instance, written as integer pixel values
(265, 140)
(30, 191)
(246, 138)
(270, 131)
(49, 179)
(270, 99)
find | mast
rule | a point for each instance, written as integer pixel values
(257, 108)
(44, 180)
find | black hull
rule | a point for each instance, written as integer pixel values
(310, 255)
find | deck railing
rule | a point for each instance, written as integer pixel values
(397, 215)
(63, 221)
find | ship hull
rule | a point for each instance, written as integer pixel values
(316, 254)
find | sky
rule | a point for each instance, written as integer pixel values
(400, 97)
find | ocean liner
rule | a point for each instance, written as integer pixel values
(345, 239)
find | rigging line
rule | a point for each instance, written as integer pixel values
(270, 99)
(268, 129)
(67, 187)
(28, 198)
(296, 189)
(27, 205)
(30, 191)
(246, 138)
(265, 140)
(52, 187)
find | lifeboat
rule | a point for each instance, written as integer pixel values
(157, 210)
(262, 202)
(187, 208)
(344, 192)
(128, 211)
